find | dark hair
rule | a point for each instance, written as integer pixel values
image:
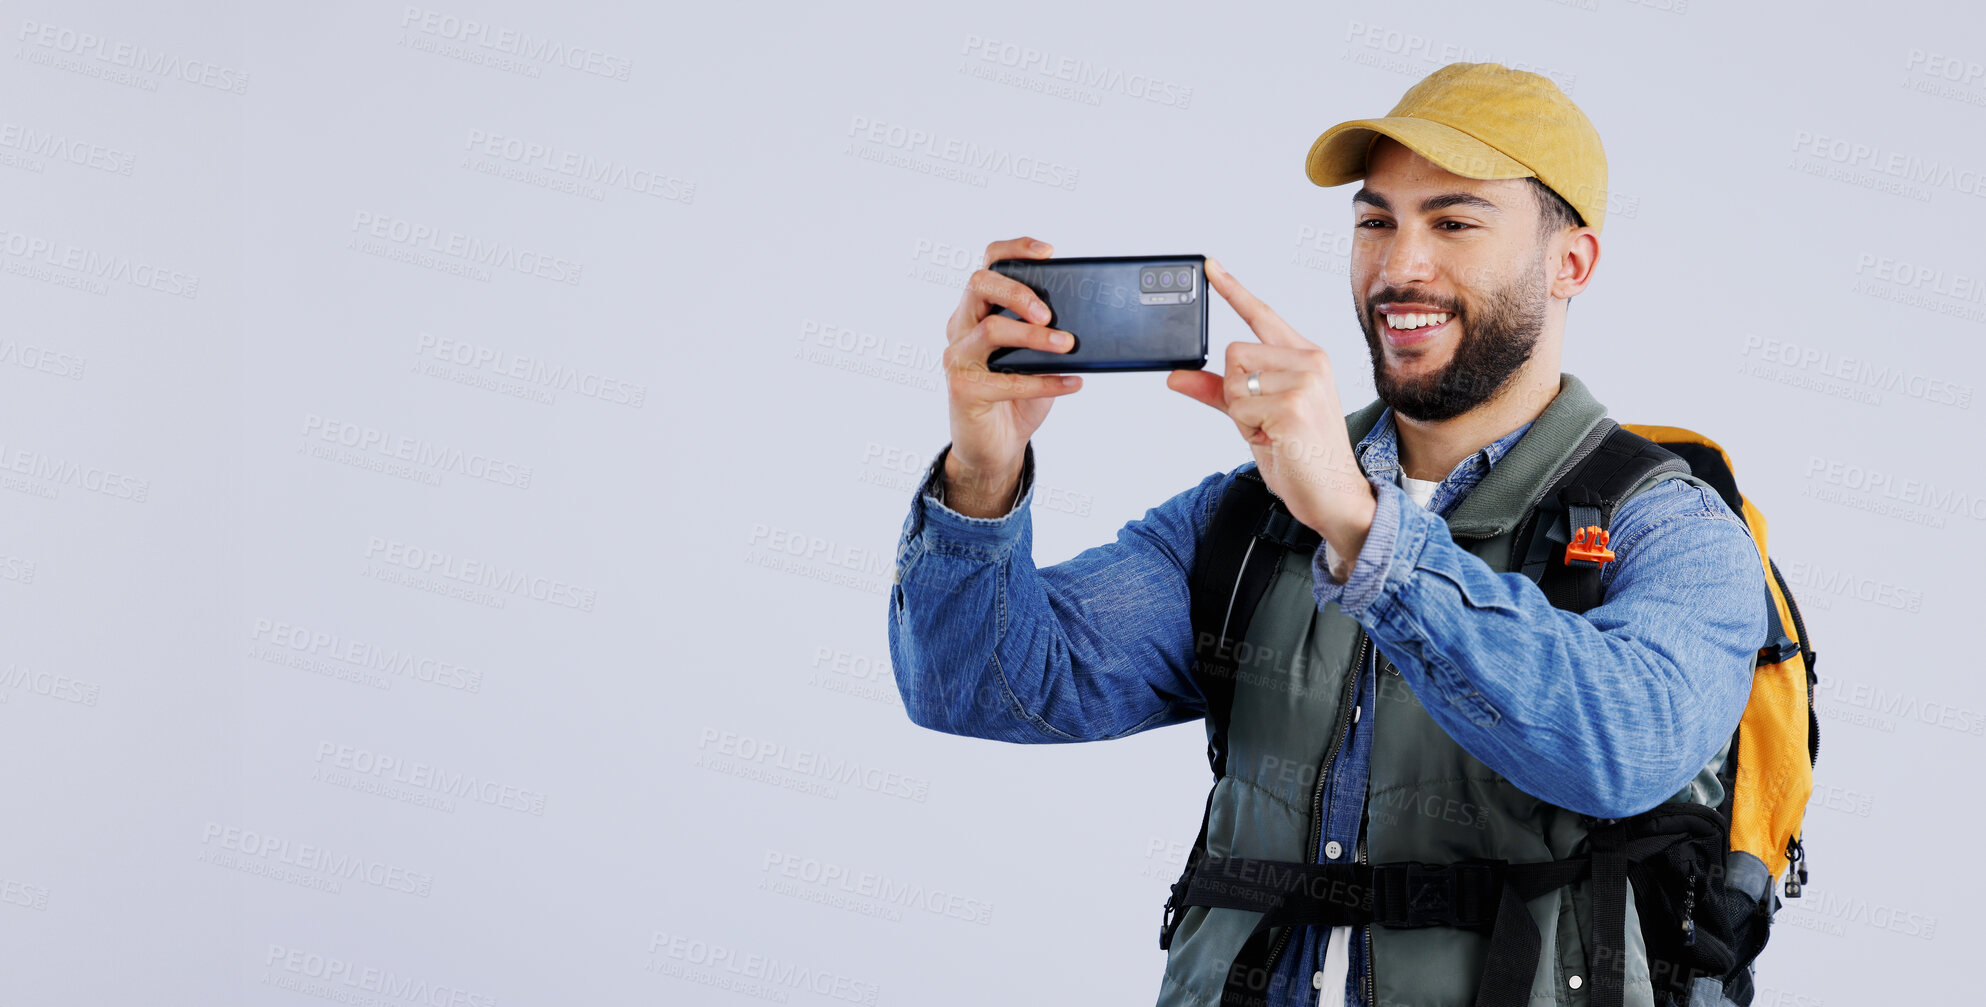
(1554, 213)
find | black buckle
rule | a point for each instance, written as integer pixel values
(1168, 922)
(1282, 527)
(1413, 894)
(1778, 651)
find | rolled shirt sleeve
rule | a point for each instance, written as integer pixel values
(1361, 586)
(987, 645)
(1608, 712)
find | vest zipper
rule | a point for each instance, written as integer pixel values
(1317, 794)
(1370, 999)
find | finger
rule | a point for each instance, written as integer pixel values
(1253, 415)
(1234, 384)
(1264, 357)
(1017, 248)
(1268, 326)
(1289, 421)
(977, 384)
(1281, 368)
(987, 291)
(968, 375)
(1202, 386)
(995, 331)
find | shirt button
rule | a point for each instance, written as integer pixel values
(1573, 982)
(1317, 980)
(1332, 851)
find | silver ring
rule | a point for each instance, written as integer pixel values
(1255, 383)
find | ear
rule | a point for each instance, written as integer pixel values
(1573, 256)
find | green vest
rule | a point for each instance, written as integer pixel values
(1427, 799)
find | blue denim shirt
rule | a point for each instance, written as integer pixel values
(1608, 713)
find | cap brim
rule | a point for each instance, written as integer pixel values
(1339, 155)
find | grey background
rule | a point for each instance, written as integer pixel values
(196, 808)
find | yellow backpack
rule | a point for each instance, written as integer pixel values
(1778, 740)
(1705, 894)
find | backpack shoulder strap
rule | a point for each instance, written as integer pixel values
(1237, 558)
(1564, 543)
(1563, 546)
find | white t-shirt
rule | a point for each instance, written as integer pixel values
(1420, 491)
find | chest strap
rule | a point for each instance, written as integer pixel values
(1486, 896)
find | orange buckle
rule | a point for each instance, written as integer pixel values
(1588, 543)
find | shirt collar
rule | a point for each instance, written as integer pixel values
(1379, 455)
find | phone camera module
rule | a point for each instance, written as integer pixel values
(1174, 284)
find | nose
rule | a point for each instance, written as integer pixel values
(1408, 258)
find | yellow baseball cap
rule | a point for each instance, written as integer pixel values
(1481, 120)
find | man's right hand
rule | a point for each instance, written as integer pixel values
(994, 414)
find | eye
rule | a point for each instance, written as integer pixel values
(1370, 220)
(1457, 223)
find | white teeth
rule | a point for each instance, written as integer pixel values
(1416, 320)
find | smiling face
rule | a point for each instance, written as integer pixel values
(1449, 281)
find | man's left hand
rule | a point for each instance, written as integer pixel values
(1295, 426)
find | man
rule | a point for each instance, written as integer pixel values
(1485, 723)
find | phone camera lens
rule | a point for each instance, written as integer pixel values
(1165, 278)
(1151, 278)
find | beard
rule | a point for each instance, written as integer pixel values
(1496, 339)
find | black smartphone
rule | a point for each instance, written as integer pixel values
(1127, 312)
